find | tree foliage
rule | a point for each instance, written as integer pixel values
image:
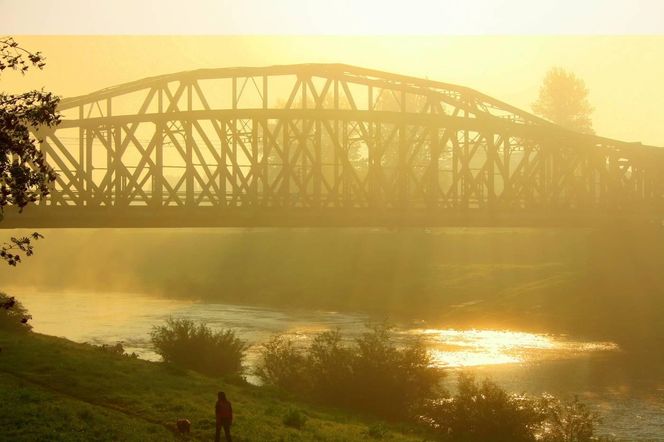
(24, 174)
(483, 411)
(13, 315)
(563, 99)
(11, 251)
(480, 412)
(370, 373)
(196, 346)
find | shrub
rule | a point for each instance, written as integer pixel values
(567, 421)
(294, 418)
(13, 315)
(329, 366)
(480, 412)
(372, 373)
(282, 365)
(390, 379)
(196, 346)
(377, 431)
(116, 349)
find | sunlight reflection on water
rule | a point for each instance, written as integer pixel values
(469, 348)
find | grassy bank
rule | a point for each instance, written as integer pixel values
(52, 389)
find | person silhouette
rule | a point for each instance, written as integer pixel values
(224, 413)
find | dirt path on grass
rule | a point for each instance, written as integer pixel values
(110, 407)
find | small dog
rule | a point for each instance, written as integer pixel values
(183, 426)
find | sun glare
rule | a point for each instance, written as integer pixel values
(468, 348)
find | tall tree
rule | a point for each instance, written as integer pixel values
(563, 99)
(24, 174)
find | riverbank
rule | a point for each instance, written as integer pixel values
(58, 390)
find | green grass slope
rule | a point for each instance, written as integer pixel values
(52, 389)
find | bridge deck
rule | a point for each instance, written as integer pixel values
(145, 217)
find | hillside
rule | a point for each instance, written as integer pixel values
(56, 390)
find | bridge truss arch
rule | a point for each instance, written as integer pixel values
(329, 144)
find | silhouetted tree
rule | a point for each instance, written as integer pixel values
(14, 316)
(24, 174)
(391, 102)
(484, 411)
(563, 99)
(374, 373)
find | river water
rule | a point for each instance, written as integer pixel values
(629, 399)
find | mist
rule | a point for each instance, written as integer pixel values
(565, 281)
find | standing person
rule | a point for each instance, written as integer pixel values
(224, 413)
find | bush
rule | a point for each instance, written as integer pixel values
(116, 349)
(377, 431)
(480, 412)
(483, 412)
(294, 418)
(567, 421)
(196, 346)
(390, 379)
(13, 315)
(372, 373)
(329, 368)
(282, 365)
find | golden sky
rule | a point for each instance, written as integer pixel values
(624, 73)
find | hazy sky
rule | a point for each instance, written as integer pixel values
(624, 74)
(366, 17)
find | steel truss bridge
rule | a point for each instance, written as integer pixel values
(328, 145)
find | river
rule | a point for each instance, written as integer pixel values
(630, 400)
